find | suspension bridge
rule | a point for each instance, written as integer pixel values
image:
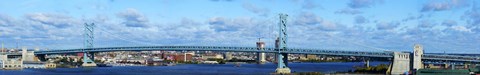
(401, 61)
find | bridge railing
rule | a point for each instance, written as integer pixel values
(451, 57)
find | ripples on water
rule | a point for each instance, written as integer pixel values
(193, 69)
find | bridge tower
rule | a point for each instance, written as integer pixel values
(417, 56)
(282, 56)
(88, 43)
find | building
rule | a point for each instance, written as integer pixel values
(8, 61)
(311, 56)
(28, 56)
(179, 57)
(14, 59)
(42, 65)
(260, 55)
(212, 56)
(228, 56)
(183, 57)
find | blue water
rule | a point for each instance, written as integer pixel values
(195, 69)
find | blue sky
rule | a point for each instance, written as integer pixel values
(361, 25)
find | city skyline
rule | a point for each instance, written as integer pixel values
(439, 25)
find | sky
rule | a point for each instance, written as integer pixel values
(451, 26)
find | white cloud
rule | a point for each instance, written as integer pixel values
(436, 7)
(57, 20)
(387, 25)
(426, 24)
(449, 22)
(360, 20)
(133, 18)
(349, 11)
(444, 5)
(472, 16)
(461, 28)
(330, 26)
(316, 22)
(6, 20)
(255, 9)
(363, 3)
(307, 18)
(309, 4)
(235, 24)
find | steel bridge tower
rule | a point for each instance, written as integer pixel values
(282, 59)
(88, 43)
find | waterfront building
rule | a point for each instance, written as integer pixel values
(10, 62)
(50, 65)
(228, 56)
(41, 65)
(179, 57)
(33, 65)
(311, 56)
(212, 56)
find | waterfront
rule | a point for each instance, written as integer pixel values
(193, 69)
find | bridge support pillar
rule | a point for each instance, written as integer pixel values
(261, 58)
(87, 62)
(282, 66)
(400, 63)
(92, 56)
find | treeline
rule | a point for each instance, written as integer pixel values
(382, 68)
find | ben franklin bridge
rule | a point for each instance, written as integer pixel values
(401, 61)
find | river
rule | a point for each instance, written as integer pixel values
(193, 69)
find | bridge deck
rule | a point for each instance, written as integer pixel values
(254, 49)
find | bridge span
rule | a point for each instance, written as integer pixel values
(386, 54)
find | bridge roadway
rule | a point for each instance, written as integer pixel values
(437, 57)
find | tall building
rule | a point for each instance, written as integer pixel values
(260, 55)
(277, 43)
(27, 55)
(3, 49)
